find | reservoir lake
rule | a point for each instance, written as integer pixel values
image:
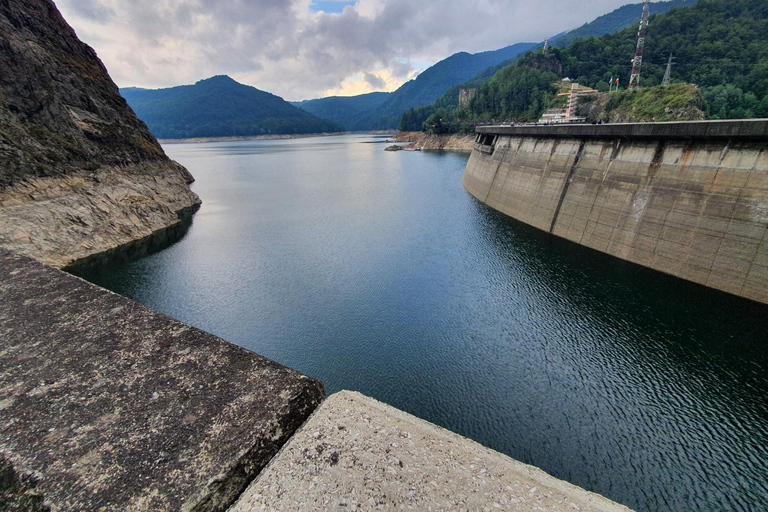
(377, 272)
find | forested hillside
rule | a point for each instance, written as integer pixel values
(719, 45)
(623, 17)
(432, 83)
(220, 107)
(382, 111)
(345, 110)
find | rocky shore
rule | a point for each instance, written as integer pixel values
(84, 217)
(80, 175)
(448, 142)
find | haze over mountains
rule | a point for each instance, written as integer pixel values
(222, 107)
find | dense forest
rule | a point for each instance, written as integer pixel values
(220, 107)
(719, 45)
(621, 18)
(345, 110)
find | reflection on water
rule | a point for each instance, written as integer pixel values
(377, 272)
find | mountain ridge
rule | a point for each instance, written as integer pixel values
(220, 106)
(423, 90)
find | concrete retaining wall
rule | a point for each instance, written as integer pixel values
(693, 204)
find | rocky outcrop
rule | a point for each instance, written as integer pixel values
(80, 174)
(547, 63)
(447, 142)
(680, 102)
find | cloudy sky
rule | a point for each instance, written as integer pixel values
(301, 49)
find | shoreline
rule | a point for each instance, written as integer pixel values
(446, 142)
(199, 140)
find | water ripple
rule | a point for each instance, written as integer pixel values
(377, 272)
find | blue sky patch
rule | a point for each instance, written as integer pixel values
(331, 6)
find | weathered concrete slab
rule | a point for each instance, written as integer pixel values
(112, 406)
(356, 453)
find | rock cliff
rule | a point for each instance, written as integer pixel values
(80, 174)
(447, 142)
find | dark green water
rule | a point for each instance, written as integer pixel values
(377, 272)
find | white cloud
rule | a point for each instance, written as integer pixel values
(285, 47)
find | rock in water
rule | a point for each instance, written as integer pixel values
(80, 174)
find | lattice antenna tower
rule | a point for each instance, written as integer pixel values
(637, 63)
(668, 74)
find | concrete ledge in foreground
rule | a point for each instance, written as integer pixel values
(108, 405)
(357, 453)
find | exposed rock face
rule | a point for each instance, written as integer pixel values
(548, 63)
(80, 174)
(680, 102)
(448, 142)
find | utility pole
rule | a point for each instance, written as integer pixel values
(637, 63)
(668, 74)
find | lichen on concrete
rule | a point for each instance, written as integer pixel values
(113, 406)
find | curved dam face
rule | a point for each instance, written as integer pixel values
(687, 199)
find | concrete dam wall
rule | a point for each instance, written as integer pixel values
(687, 199)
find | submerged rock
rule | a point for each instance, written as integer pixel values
(80, 174)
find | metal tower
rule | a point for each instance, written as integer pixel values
(668, 74)
(637, 63)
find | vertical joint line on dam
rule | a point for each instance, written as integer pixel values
(567, 183)
(495, 174)
(658, 157)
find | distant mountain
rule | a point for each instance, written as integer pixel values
(721, 46)
(610, 23)
(220, 107)
(617, 20)
(434, 82)
(345, 110)
(384, 110)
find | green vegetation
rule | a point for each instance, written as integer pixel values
(432, 83)
(342, 109)
(646, 104)
(220, 107)
(623, 17)
(382, 111)
(720, 45)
